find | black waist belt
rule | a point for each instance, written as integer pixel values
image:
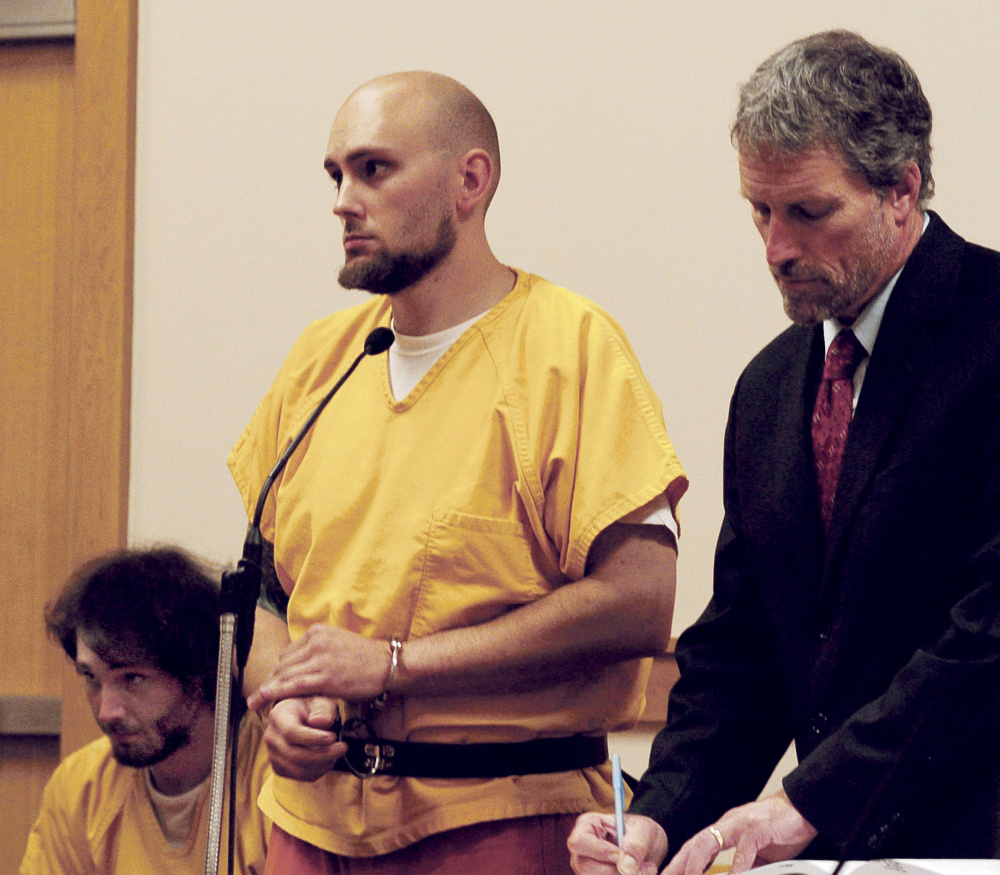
(418, 759)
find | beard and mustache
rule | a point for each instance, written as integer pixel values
(387, 272)
(841, 294)
(167, 736)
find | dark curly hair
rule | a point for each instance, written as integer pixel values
(158, 606)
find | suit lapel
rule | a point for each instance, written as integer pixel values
(783, 477)
(921, 300)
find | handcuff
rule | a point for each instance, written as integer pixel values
(375, 751)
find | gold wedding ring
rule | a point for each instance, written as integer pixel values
(718, 837)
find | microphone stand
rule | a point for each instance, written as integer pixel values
(238, 601)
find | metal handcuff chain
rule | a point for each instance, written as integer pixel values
(361, 729)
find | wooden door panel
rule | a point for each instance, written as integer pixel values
(36, 152)
(67, 144)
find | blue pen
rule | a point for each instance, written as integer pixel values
(619, 790)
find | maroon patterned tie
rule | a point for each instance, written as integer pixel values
(832, 416)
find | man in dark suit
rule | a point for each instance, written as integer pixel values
(857, 579)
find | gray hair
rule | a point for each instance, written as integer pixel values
(836, 89)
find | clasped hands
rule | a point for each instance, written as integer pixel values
(313, 672)
(765, 831)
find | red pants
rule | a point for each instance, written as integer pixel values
(525, 846)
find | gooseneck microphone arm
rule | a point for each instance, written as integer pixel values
(238, 601)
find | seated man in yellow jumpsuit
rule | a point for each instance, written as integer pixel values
(142, 628)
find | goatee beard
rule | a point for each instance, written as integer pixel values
(174, 739)
(387, 273)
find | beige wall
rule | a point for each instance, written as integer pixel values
(619, 182)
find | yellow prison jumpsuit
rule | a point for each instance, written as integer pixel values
(96, 818)
(480, 491)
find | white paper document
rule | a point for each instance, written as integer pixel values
(883, 867)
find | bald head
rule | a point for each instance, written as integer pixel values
(441, 110)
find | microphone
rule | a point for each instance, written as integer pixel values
(244, 582)
(379, 340)
(238, 599)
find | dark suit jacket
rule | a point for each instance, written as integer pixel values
(878, 652)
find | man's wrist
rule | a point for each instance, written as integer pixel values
(395, 656)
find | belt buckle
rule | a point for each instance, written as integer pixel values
(378, 754)
(378, 757)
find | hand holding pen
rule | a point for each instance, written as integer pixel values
(618, 786)
(605, 844)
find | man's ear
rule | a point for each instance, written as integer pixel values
(476, 176)
(904, 197)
